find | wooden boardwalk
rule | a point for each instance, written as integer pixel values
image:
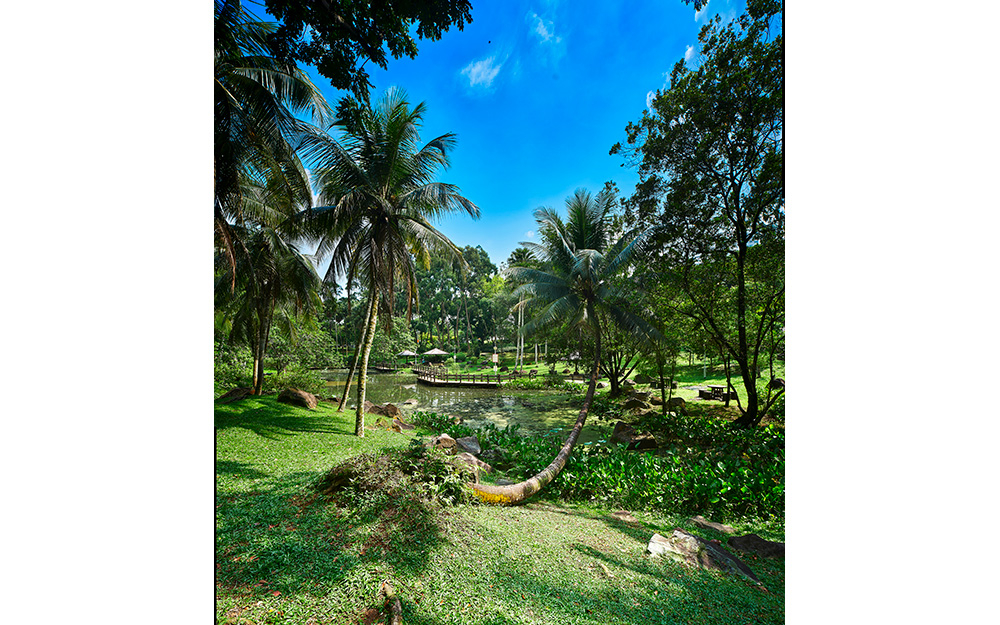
(433, 376)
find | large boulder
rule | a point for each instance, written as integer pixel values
(634, 403)
(296, 397)
(752, 543)
(698, 553)
(402, 426)
(642, 378)
(676, 403)
(469, 444)
(444, 442)
(625, 434)
(235, 395)
(601, 385)
(389, 410)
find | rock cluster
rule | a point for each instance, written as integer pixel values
(626, 435)
(464, 449)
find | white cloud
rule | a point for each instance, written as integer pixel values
(689, 53)
(530, 234)
(481, 73)
(552, 46)
(699, 14)
(545, 30)
(650, 96)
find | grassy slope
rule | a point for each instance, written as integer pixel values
(282, 557)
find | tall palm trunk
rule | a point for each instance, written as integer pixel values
(260, 345)
(354, 362)
(517, 493)
(359, 415)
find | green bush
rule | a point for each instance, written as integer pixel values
(233, 368)
(706, 465)
(539, 383)
(295, 376)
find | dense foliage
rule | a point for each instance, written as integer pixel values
(705, 465)
(339, 36)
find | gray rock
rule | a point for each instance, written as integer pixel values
(642, 378)
(469, 444)
(698, 553)
(601, 385)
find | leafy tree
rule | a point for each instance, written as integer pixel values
(274, 283)
(257, 103)
(582, 262)
(377, 194)
(710, 160)
(339, 36)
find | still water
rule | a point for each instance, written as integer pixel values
(535, 411)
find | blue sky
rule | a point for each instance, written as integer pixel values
(538, 91)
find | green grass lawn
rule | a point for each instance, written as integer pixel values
(284, 556)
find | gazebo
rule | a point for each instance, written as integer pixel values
(435, 352)
(406, 354)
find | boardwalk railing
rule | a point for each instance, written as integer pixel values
(436, 375)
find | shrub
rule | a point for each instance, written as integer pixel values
(544, 383)
(295, 376)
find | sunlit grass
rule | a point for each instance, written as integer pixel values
(283, 556)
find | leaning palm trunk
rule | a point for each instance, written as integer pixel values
(517, 493)
(359, 418)
(354, 362)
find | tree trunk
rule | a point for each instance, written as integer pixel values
(516, 493)
(359, 415)
(260, 347)
(663, 383)
(729, 377)
(354, 363)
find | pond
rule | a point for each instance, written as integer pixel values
(535, 411)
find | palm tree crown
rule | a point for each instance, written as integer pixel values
(579, 262)
(256, 128)
(377, 195)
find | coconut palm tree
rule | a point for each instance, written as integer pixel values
(377, 195)
(579, 262)
(275, 283)
(257, 100)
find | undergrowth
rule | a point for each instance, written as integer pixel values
(702, 465)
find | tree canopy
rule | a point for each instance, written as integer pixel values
(710, 154)
(339, 36)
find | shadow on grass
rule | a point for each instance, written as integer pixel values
(286, 539)
(266, 417)
(238, 469)
(652, 591)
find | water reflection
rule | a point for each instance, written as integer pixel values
(534, 411)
